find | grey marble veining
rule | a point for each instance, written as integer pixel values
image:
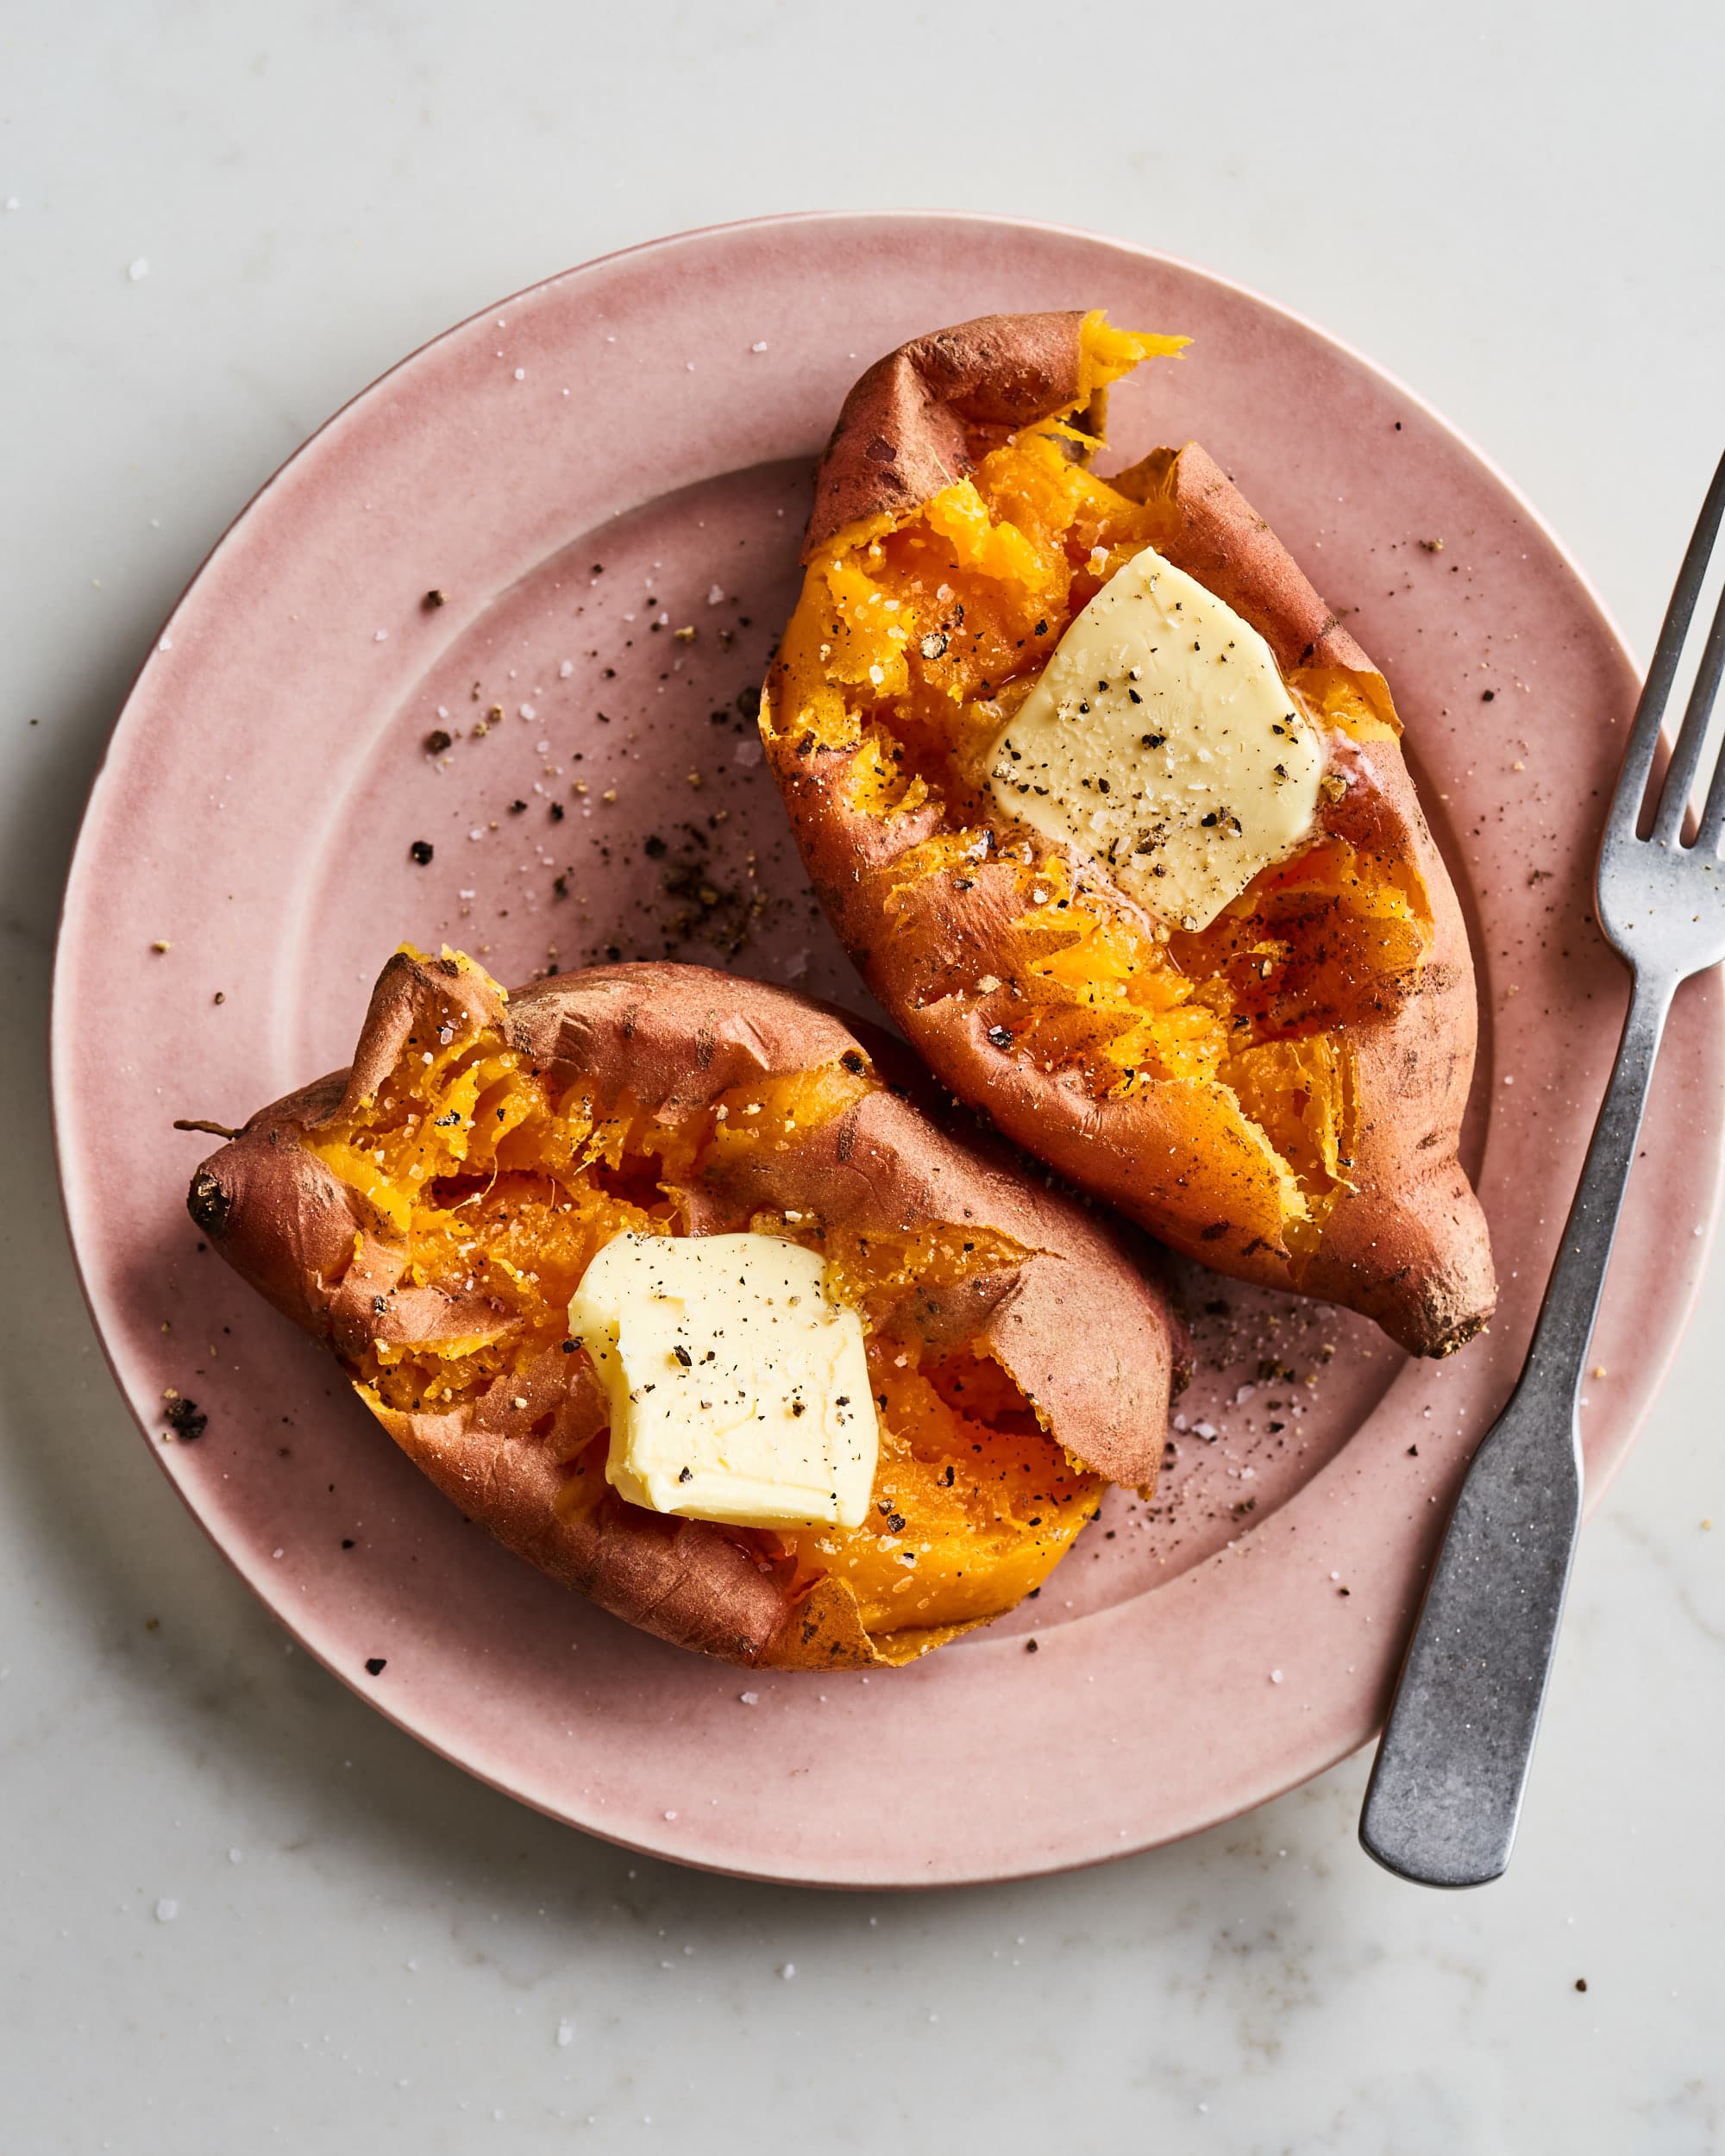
(242, 1910)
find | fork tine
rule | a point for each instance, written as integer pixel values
(1713, 816)
(1680, 773)
(1632, 785)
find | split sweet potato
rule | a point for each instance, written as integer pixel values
(1279, 1095)
(431, 1212)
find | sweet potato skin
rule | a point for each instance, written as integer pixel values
(1406, 1244)
(673, 1038)
(919, 418)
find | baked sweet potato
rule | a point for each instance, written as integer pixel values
(430, 1213)
(1277, 1093)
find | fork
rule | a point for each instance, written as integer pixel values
(1446, 1790)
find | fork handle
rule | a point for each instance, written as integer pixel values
(1446, 1791)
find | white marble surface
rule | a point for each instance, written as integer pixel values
(242, 1911)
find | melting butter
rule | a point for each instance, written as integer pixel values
(739, 1389)
(1162, 742)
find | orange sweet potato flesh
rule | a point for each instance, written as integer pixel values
(1279, 1095)
(430, 1212)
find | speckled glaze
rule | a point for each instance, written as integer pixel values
(656, 414)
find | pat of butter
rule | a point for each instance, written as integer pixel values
(1162, 742)
(739, 1390)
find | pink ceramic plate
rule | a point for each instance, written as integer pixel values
(583, 472)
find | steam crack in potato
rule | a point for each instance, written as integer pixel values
(1278, 1092)
(431, 1213)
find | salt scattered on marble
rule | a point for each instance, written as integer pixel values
(139, 270)
(166, 1909)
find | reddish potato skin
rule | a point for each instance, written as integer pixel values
(1407, 1244)
(675, 1037)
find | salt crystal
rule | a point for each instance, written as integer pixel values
(167, 1910)
(747, 753)
(381, 636)
(521, 374)
(753, 348)
(715, 596)
(528, 712)
(1276, 1676)
(670, 1816)
(566, 2034)
(750, 1699)
(138, 270)
(789, 1971)
(565, 669)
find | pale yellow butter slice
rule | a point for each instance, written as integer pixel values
(1161, 741)
(739, 1389)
